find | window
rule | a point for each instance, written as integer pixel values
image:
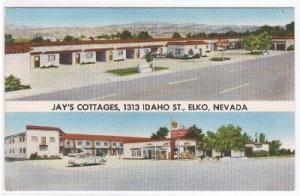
(114, 144)
(43, 142)
(89, 55)
(24, 150)
(138, 153)
(20, 139)
(51, 57)
(178, 51)
(68, 142)
(88, 143)
(34, 138)
(10, 151)
(79, 143)
(121, 144)
(52, 139)
(98, 143)
(120, 52)
(43, 148)
(13, 151)
(13, 140)
(21, 151)
(105, 144)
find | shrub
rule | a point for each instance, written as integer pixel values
(170, 55)
(261, 153)
(45, 156)
(35, 156)
(291, 47)
(85, 63)
(220, 59)
(185, 57)
(207, 51)
(204, 55)
(12, 84)
(50, 66)
(196, 56)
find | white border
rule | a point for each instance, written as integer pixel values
(152, 3)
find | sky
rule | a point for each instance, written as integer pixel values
(61, 17)
(279, 125)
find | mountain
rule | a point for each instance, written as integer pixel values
(156, 29)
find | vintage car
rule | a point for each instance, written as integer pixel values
(84, 159)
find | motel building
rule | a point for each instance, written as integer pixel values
(43, 141)
(20, 59)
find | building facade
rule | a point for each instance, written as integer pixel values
(39, 140)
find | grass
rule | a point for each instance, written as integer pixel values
(219, 59)
(130, 71)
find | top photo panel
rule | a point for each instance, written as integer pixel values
(156, 54)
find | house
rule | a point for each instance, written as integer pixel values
(40, 140)
(256, 147)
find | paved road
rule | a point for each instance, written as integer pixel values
(269, 78)
(133, 175)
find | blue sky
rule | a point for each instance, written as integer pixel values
(60, 17)
(275, 125)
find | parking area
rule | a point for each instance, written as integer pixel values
(120, 174)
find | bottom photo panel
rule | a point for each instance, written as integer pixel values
(147, 151)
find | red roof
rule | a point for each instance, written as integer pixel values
(179, 133)
(282, 37)
(192, 42)
(125, 139)
(46, 128)
(17, 48)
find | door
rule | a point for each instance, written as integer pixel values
(110, 55)
(77, 58)
(37, 61)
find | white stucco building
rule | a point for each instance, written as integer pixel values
(39, 140)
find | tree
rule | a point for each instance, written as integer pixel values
(161, 133)
(189, 35)
(274, 147)
(144, 35)
(289, 28)
(9, 38)
(262, 138)
(264, 41)
(195, 133)
(251, 43)
(208, 142)
(229, 138)
(176, 35)
(37, 39)
(69, 38)
(125, 35)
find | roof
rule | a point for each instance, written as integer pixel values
(192, 42)
(15, 135)
(283, 37)
(125, 139)
(18, 48)
(46, 128)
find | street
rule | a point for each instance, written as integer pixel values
(268, 78)
(141, 175)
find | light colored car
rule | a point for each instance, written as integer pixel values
(83, 158)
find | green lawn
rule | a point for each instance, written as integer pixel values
(130, 71)
(219, 59)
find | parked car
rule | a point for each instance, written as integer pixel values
(85, 160)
